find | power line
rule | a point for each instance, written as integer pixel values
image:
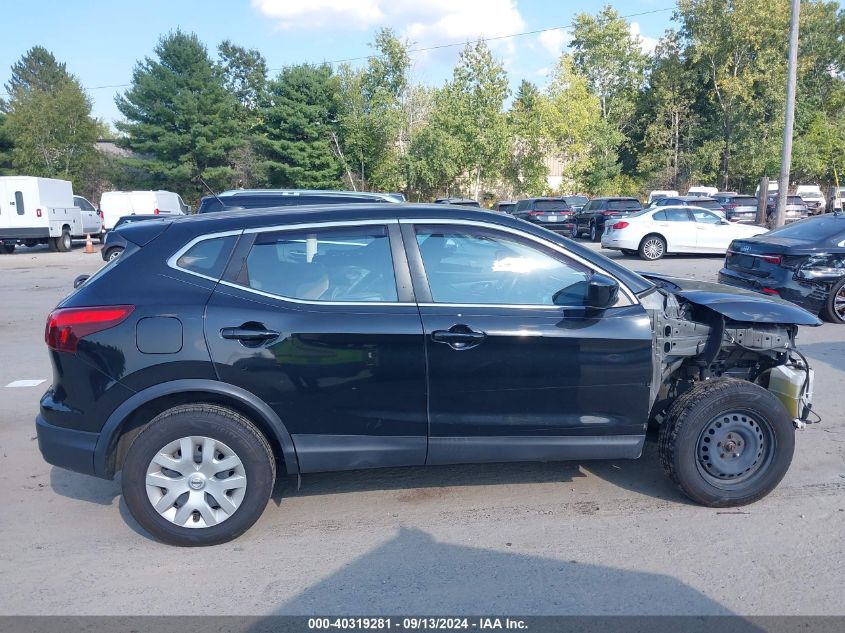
(438, 46)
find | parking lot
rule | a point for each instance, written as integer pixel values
(557, 538)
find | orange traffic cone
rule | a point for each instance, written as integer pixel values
(89, 245)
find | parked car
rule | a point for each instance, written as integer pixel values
(504, 206)
(367, 336)
(459, 202)
(741, 209)
(597, 212)
(116, 204)
(550, 213)
(42, 211)
(657, 194)
(658, 231)
(772, 188)
(684, 201)
(702, 192)
(273, 198)
(803, 262)
(812, 196)
(114, 242)
(796, 209)
(834, 199)
(576, 202)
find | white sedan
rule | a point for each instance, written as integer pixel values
(656, 231)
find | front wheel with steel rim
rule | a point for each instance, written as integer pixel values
(652, 247)
(198, 475)
(726, 442)
(834, 307)
(114, 253)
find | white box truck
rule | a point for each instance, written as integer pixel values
(115, 204)
(42, 211)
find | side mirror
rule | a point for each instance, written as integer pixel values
(80, 280)
(602, 292)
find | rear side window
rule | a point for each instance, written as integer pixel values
(19, 203)
(350, 264)
(208, 257)
(623, 205)
(676, 215)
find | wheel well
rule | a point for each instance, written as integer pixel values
(143, 415)
(66, 226)
(654, 234)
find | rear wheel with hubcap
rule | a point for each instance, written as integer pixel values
(595, 232)
(64, 242)
(834, 307)
(652, 247)
(726, 442)
(198, 475)
(573, 232)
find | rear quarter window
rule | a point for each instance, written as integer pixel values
(208, 257)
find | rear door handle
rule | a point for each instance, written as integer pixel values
(248, 334)
(458, 337)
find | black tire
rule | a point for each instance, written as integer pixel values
(220, 424)
(834, 305)
(102, 237)
(573, 232)
(7, 248)
(652, 248)
(64, 243)
(113, 253)
(595, 232)
(690, 429)
(53, 244)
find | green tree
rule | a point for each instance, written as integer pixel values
(49, 130)
(527, 170)
(572, 119)
(180, 118)
(244, 75)
(298, 122)
(6, 145)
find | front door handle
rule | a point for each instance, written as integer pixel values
(458, 337)
(248, 334)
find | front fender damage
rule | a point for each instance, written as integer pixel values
(693, 342)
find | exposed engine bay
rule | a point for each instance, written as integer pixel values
(697, 341)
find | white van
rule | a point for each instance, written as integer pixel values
(702, 192)
(773, 189)
(115, 204)
(42, 211)
(661, 193)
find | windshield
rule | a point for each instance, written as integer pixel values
(576, 200)
(814, 229)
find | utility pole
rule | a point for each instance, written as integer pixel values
(789, 117)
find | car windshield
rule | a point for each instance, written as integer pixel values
(506, 208)
(551, 205)
(744, 200)
(814, 229)
(794, 200)
(624, 205)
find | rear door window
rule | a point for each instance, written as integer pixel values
(345, 264)
(676, 215)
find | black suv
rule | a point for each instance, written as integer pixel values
(270, 198)
(592, 218)
(554, 214)
(362, 336)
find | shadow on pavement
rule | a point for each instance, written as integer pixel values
(415, 574)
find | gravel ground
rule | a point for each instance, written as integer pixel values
(559, 538)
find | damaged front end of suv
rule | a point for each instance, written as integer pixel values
(728, 374)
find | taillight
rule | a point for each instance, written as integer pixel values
(770, 291)
(772, 259)
(536, 213)
(38, 213)
(66, 326)
(731, 206)
(620, 225)
(155, 211)
(610, 212)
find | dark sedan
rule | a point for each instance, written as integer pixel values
(803, 262)
(114, 242)
(555, 214)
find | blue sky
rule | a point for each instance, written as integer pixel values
(101, 40)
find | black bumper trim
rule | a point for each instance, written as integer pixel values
(66, 448)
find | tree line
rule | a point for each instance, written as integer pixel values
(705, 108)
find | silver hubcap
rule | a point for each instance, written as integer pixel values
(114, 255)
(653, 248)
(196, 482)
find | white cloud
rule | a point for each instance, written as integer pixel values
(425, 23)
(647, 44)
(554, 41)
